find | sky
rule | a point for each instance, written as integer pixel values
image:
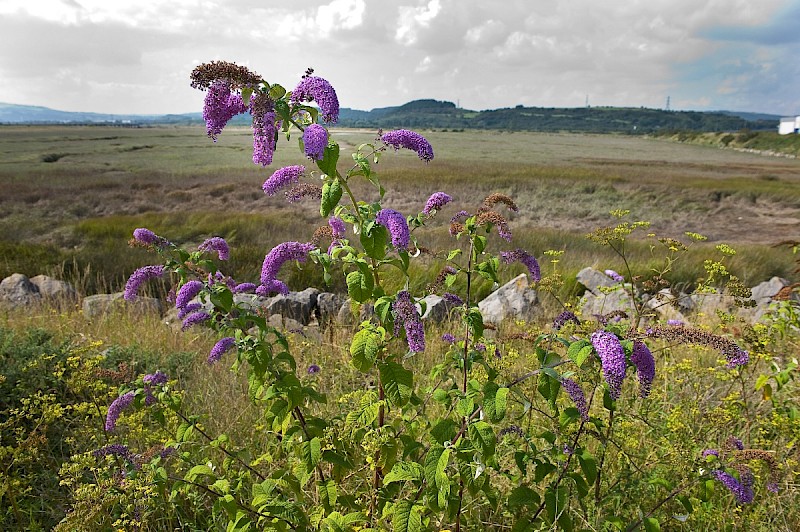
(135, 56)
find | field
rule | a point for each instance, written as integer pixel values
(355, 429)
(71, 196)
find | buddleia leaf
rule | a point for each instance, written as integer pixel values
(397, 382)
(331, 194)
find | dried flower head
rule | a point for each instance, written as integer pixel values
(491, 217)
(735, 355)
(440, 279)
(493, 199)
(237, 76)
(303, 190)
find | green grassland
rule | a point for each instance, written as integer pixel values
(70, 197)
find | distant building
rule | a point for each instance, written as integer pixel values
(789, 125)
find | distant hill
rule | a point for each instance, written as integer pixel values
(435, 114)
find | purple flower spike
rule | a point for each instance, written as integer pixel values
(120, 403)
(220, 106)
(194, 319)
(436, 202)
(525, 258)
(313, 88)
(563, 318)
(216, 244)
(403, 138)
(313, 369)
(453, 299)
(743, 491)
(155, 379)
(220, 348)
(264, 130)
(614, 275)
(710, 452)
(642, 358)
(406, 314)
(612, 359)
(280, 254)
(116, 449)
(397, 226)
(738, 357)
(315, 140)
(188, 309)
(337, 226)
(140, 276)
(282, 177)
(578, 397)
(146, 236)
(244, 288)
(273, 286)
(188, 292)
(449, 338)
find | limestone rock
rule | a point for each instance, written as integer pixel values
(299, 306)
(17, 290)
(593, 279)
(55, 291)
(97, 306)
(328, 306)
(514, 299)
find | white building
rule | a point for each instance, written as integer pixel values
(789, 124)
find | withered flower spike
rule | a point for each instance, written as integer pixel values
(239, 77)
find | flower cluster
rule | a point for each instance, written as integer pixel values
(147, 237)
(563, 318)
(614, 275)
(187, 292)
(273, 261)
(116, 449)
(220, 348)
(217, 244)
(282, 177)
(315, 140)
(403, 138)
(264, 130)
(314, 88)
(612, 359)
(220, 106)
(140, 276)
(530, 262)
(406, 314)
(396, 223)
(238, 77)
(120, 403)
(578, 397)
(645, 364)
(155, 379)
(436, 202)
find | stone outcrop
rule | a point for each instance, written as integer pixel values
(100, 305)
(515, 299)
(17, 290)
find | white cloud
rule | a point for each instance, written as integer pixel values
(412, 19)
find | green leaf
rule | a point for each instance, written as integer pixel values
(331, 194)
(651, 524)
(453, 254)
(523, 497)
(359, 286)
(364, 349)
(311, 452)
(406, 517)
(398, 382)
(475, 320)
(366, 413)
(588, 466)
(196, 471)
(482, 435)
(402, 471)
(579, 351)
(373, 240)
(276, 92)
(327, 494)
(495, 401)
(329, 159)
(222, 299)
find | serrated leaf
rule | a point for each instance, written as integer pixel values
(579, 351)
(475, 320)
(495, 400)
(196, 471)
(328, 493)
(522, 497)
(329, 159)
(373, 239)
(397, 382)
(311, 452)
(588, 466)
(359, 286)
(406, 517)
(331, 194)
(482, 436)
(364, 349)
(402, 471)
(366, 413)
